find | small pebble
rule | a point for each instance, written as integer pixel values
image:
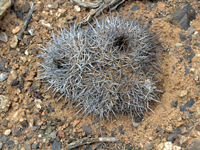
(183, 93)
(3, 76)
(16, 30)
(179, 44)
(3, 37)
(14, 42)
(7, 132)
(77, 8)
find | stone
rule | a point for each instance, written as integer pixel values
(26, 7)
(187, 71)
(4, 138)
(4, 103)
(13, 74)
(182, 16)
(174, 104)
(61, 134)
(168, 145)
(7, 132)
(198, 109)
(14, 42)
(139, 118)
(191, 30)
(15, 131)
(87, 129)
(183, 93)
(54, 5)
(77, 8)
(16, 30)
(149, 146)
(134, 8)
(183, 37)
(56, 145)
(4, 5)
(172, 137)
(3, 76)
(27, 146)
(135, 124)
(38, 40)
(10, 144)
(3, 37)
(52, 135)
(197, 127)
(179, 44)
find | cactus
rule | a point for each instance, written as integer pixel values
(108, 69)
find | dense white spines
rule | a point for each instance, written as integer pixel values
(106, 69)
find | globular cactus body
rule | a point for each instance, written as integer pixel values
(106, 69)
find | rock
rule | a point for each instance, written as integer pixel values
(139, 118)
(19, 14)
(197, 44)
(4, 103)
(55, 5)
(45, 24)
(7, 132)
(4, 138)
(15, 131)
(174, 104)
(14, 83)
(87, 129)
(188, 48)
(198, 109)
(149, 146)
(172, 137)
(182, 16)
(4, 5)
(183, 93)
(39, 6)
(13, 74)
(187, 114)
(38, 40)
(27, 146)
(26, 7)
(183, 140)
(10, 144)
(16, 30)
(77, 8)
(187, 71)
(3, 76)
(197, 127)
(61, 134)
(35, 145)
(3, 37)
(134, 8)
(160, 146)
(191, 30)
(1, 145)
(187, 105)
(183, 37)
(179, 44)
(168, 145)
(52, 135)
(14, 42)
(31, 32)
(56, 145)
(135, 124)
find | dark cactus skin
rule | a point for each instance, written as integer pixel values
(107, 69)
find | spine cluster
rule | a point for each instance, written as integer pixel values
(107, 69)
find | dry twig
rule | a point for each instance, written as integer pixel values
(87, 140)
(28, 18)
